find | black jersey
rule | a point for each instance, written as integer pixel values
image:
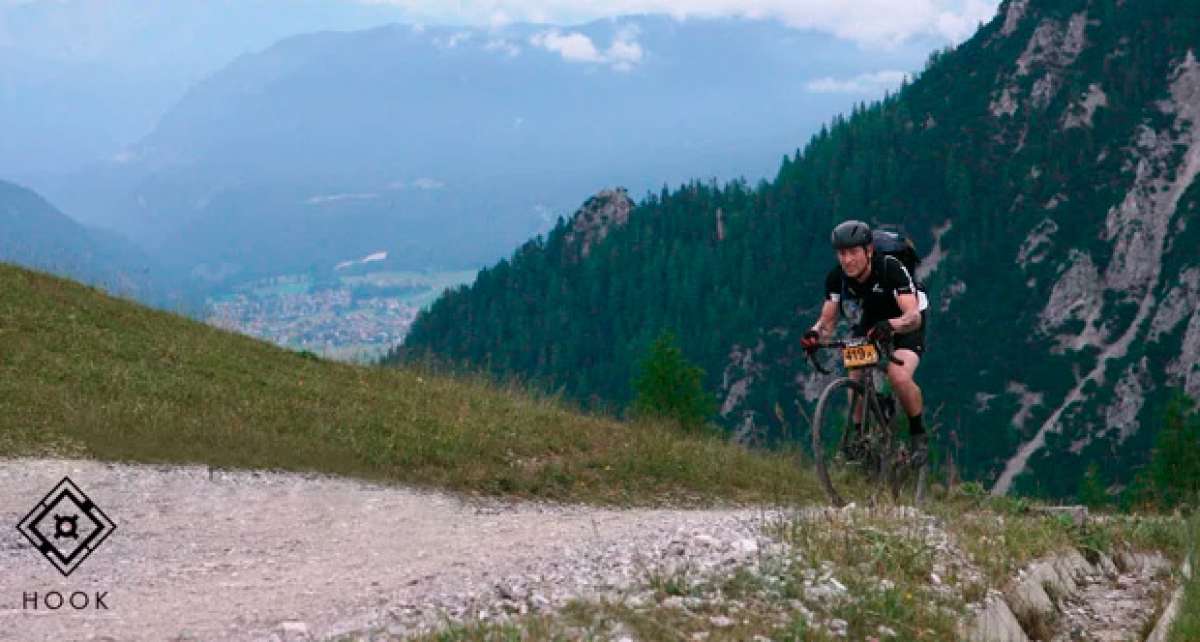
(889, 279)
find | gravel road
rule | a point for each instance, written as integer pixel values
(243, 555)
(262, 555)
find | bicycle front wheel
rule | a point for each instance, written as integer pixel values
(839, 442)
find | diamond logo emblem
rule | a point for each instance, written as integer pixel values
(66, 526)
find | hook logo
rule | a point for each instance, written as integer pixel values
(66, 526)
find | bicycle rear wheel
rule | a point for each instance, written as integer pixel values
(906, 476)
(840, 447)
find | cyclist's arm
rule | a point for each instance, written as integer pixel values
(827, 322)
(828, 319)
(910, 317)
(897, 277)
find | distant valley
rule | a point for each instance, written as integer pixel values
(350, 317)
(262, 188)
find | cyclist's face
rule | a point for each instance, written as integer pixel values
(854, 260)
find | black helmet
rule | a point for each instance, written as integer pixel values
(850, 234)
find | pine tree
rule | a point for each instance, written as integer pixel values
(1091, 488)
(669, 386)
(1175, 467)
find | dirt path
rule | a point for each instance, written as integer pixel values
(263, 555)
(270, 556)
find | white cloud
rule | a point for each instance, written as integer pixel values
(418, 183)
(331, 198)
(958, 26)
(870, 22)
(872, 83)
(625, 52)
(498, 19)
(544, 212)
(572, 46)
(428, 183)
(125, 156)
(501, 44)
(451, 41)
(622, 54)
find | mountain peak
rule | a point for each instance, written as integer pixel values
(599, 213)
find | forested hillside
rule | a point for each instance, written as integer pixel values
(1045, 167)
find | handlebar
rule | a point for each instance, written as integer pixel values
(885, 349)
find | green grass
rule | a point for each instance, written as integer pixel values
(85, 374)
(885, 563)
(1186, 627)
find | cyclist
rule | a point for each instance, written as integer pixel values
(892, 309)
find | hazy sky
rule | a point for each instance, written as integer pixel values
(124, 62)
(870, 22)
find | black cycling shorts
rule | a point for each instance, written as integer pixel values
(914, 340)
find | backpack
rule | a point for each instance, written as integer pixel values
(900, 246)
(895, 244)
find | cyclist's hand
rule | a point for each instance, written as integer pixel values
(881, 331)
(810, 341)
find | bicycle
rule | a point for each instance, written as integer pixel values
(869, 440)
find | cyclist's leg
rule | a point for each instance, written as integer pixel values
(857, 375)
(858, 408)
(901, 378)
(908, 348)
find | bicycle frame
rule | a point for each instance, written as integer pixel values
(876, 432)
(887, 356)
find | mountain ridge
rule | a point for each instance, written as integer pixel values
(35, 234)
(1033, 157)
(442, 124)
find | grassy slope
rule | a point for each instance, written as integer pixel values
(1187, 623)
(1187, 626)
(83, 373)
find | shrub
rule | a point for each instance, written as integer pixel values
(1175, 465)
(669, 386)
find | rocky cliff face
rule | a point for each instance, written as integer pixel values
(593, 220)
(1105, 314)
(1136, 232)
